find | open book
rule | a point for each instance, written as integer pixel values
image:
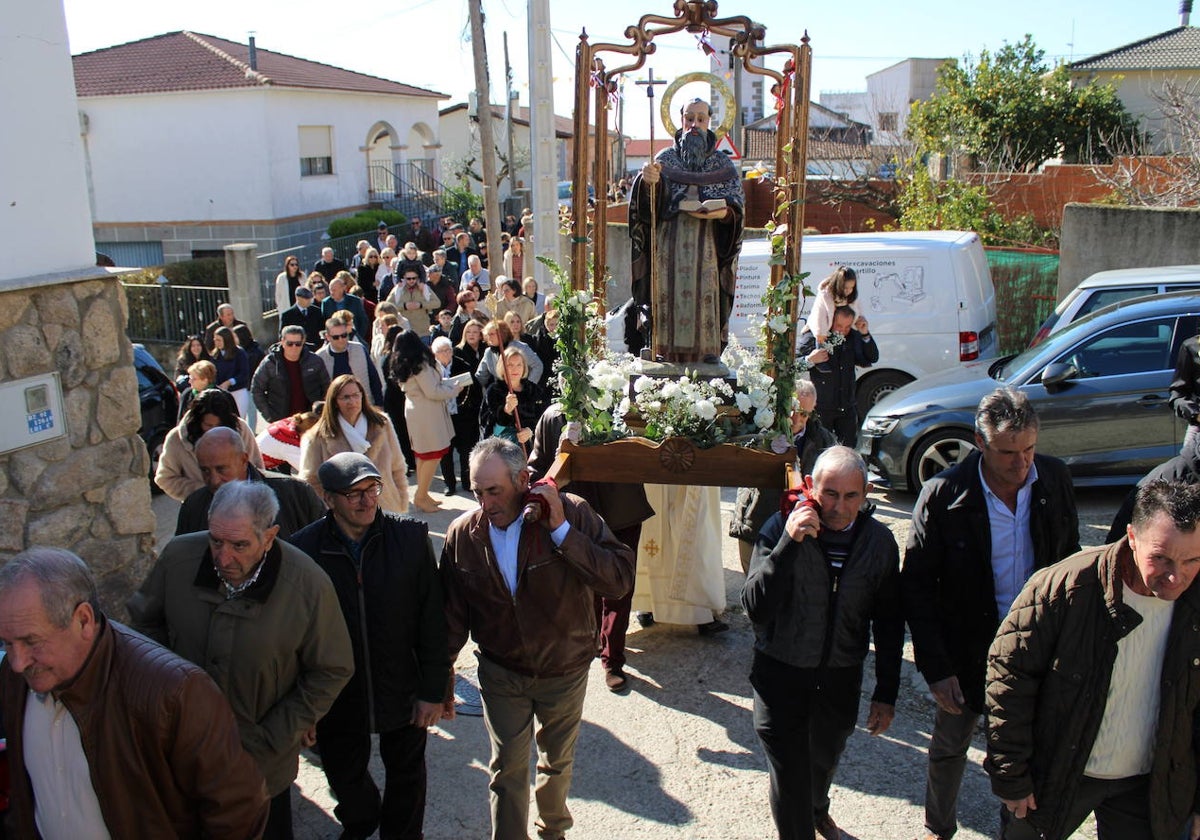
(691, 205)
(463, 379)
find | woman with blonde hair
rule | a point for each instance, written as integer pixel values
(349, 423)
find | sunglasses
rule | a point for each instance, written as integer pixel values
(293, 344)
(337, 337)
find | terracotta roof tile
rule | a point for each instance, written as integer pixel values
(1175, 49)
(180, 61)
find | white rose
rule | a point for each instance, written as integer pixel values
(584, 297)
(642, 384)
(670, 390)
(764, 418)
(779, 324)
(603, 400)
(743, 403)
(705, 410)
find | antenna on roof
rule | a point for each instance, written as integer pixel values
(253, 53)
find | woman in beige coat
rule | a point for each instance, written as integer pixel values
(178, 474)
(350, 423)
(426, 410)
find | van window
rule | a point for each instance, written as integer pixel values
(1105, 297)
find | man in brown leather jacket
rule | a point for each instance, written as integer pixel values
(148, 743)
(524, 591)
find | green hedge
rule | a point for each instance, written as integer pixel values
(206, 272)
(366, 220)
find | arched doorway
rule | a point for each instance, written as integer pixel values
(381, 148)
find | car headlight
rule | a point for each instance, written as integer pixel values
(880, 426)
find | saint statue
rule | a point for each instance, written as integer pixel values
(686, 216)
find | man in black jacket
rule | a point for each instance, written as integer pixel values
(385, 574)
(289, 364)
(820, 581)
(221, 454)
(832, 371)
(979, 530)
(305, 314)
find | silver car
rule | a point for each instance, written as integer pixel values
(1100, 387)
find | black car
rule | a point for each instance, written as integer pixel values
(1100, 388)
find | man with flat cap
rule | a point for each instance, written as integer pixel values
(384, 571)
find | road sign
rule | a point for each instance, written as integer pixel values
(725, 146)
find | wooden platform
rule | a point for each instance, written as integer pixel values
(673, 461)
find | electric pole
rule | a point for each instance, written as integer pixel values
(510, 115)
(487, 141)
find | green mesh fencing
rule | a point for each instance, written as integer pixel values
(1026, 289)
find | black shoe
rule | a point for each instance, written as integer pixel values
(826, 827)
(451, 489)
(713, 627)
(645, 619)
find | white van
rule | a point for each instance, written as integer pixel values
(927, 295)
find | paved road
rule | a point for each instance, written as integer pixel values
(676, 757)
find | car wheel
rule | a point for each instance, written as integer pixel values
(936, 453)
(875, 386)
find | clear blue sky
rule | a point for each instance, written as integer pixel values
(424, 42)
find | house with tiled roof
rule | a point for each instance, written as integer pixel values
(1139, 71)
(193, 142)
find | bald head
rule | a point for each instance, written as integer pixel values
(221, 454)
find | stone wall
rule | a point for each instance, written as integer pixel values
(88, 491)
(1097, 237)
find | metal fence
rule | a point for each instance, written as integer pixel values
(168, 314)
(270, 264)
(1026, 289)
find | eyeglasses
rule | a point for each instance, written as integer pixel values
(337, 337)
(804, 413)
(293, 344)
(356, 496)
(350, 396)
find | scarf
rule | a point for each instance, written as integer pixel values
(356, 435)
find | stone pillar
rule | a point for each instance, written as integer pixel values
(245, 291)
(89, 491)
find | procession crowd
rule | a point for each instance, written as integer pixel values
(299, 606)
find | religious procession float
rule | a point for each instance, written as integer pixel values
(682, 407)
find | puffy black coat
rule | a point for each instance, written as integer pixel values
(947, 584)
(269, 387)
(1048, 675)
(392, 603)
(801, 620)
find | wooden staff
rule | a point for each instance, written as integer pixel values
(652, 246)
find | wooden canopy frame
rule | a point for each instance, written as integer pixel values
(595, 85)
(677, 461)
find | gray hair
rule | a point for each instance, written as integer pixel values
(1004, 410)
(804, 388)
(505, 449)
(222, 436)
(1174, 499)
(840, 459)
(292, 329)
(61, 577)
(223, 307)
(245, 498)
(441, 343)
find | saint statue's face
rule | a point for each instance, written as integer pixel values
(696, 116)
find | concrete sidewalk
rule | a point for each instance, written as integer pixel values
(676, 756)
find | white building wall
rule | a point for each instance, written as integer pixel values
(1139, 92)
(352, 116)
(233, 155)
(894, 89)
(43, 186)
(192, 157)
(460, 138)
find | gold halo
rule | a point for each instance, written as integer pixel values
(718, 85)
